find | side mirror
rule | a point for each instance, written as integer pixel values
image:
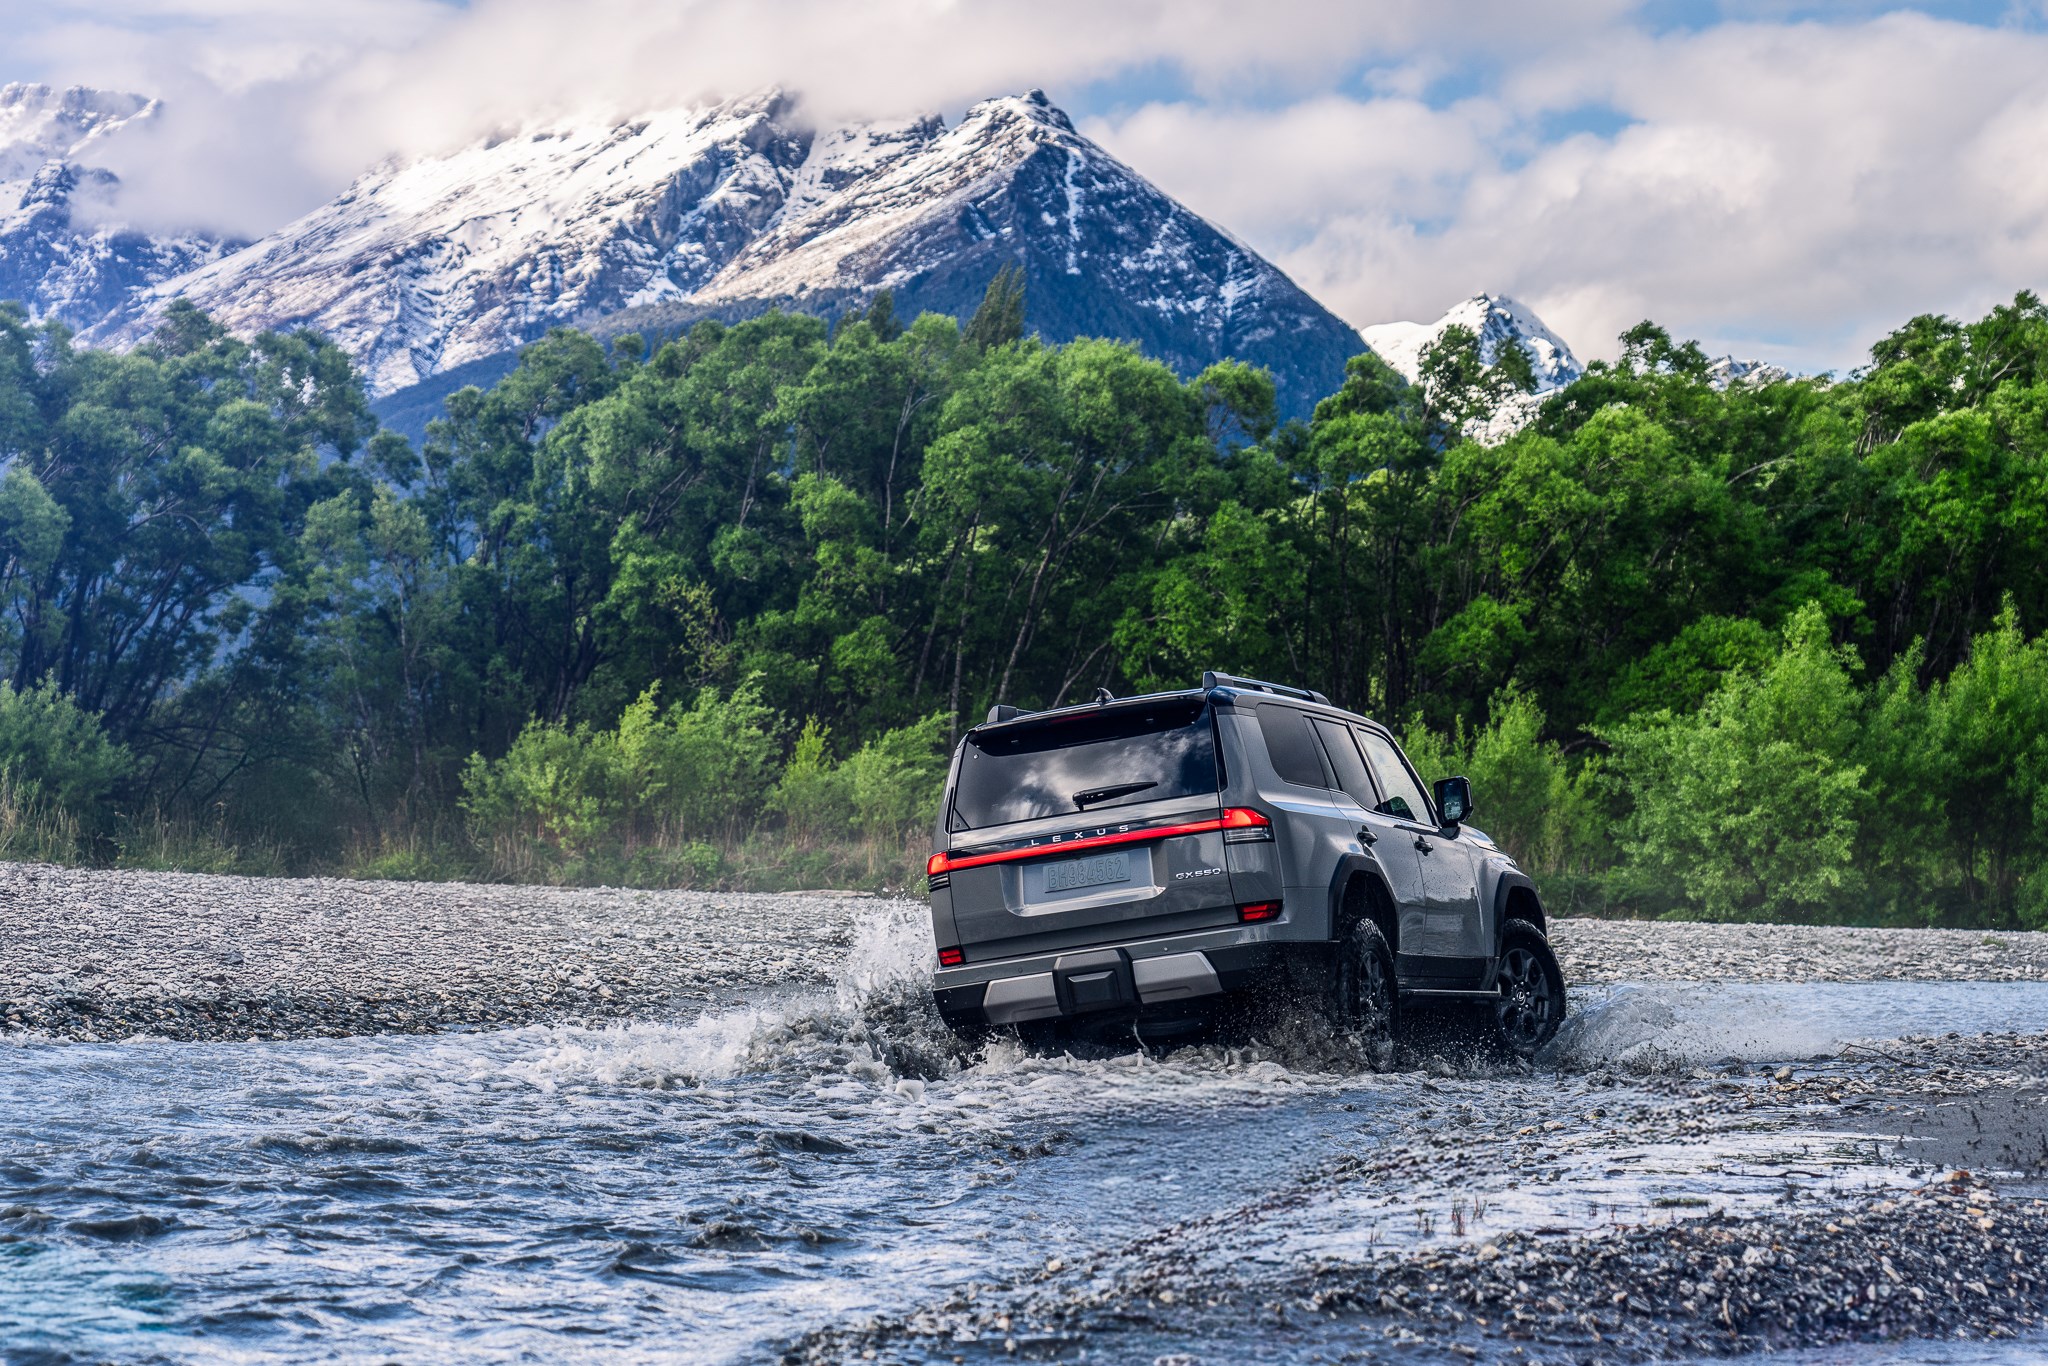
(1453, 799)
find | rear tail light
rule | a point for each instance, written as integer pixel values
(1237, 823)
(1241, 825)
(952, 958)
(1259, 910)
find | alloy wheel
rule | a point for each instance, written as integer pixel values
(1529, 1001)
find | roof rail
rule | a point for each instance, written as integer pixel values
(1212, 679)
(1002, 711)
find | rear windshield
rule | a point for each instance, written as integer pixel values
(1091, 761)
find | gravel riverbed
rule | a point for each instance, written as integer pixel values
(109, 954)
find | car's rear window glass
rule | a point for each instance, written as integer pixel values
(1087, 762)
(1290, 746)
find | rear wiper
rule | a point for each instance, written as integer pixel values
(1103, 794)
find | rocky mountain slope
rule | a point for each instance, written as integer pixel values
(63, 250)
(450, 261)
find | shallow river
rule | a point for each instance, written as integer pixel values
(706, 1191)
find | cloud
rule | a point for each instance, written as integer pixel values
(1773, 185)
(273, 105)
(1792, 190)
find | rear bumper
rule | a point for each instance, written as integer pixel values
(1177, 976)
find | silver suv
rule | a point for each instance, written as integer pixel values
(1140, 861)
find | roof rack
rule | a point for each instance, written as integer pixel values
(1212, 679)
(1003, 711)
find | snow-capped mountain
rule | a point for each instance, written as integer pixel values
(725, 211)
(1726, 371)
(63, 253)
(1497, 321)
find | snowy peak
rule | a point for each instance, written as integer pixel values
(1497, 321)
(1726, 372)
(829, 242)
(62, 252)
(40, 125)
(1104, 252)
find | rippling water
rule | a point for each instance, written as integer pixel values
(702, 1191)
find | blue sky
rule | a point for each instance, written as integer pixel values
(1775, 179)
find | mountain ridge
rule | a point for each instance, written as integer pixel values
(733, 209)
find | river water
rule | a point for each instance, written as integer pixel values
(709, 1189)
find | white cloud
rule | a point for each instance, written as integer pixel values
(1790, 189)
(1786, 188)
(274, 104)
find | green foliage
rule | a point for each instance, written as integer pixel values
(670, 775)
(1749, 808)
(55, 754)
(568, 637)
(894, 780)
(1000, 319)
(1969, 759)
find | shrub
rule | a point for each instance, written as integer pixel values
(896, 779)
(664, 776)
(55, 753)
(1750, 808)
(812, 795)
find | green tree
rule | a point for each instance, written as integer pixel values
(1750, 808)
(1000, 318)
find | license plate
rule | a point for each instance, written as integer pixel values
(1087, 872)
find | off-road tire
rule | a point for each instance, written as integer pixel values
(1365, 998)
(1531, 1007)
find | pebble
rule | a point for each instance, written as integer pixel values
(98, 954)
(1592, 951)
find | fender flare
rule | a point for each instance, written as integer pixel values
(1509, 882)
(1348, 867)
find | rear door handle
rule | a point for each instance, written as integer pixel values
(1366, 836)
(1422, 844)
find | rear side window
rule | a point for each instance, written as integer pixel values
(1290, 746)
(1088, 762)
(1343, 752)
(1404, 793)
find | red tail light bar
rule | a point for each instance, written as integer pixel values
(1236, 818)
(952, 958)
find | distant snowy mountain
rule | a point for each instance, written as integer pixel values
(63, 254)
(1497, 321)
(1726, 372)
(455, 261)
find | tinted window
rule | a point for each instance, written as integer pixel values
(1091, 761)
(1343, 752)
(1290, 746)
(1404, 795)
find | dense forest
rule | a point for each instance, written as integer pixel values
(712, 611)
